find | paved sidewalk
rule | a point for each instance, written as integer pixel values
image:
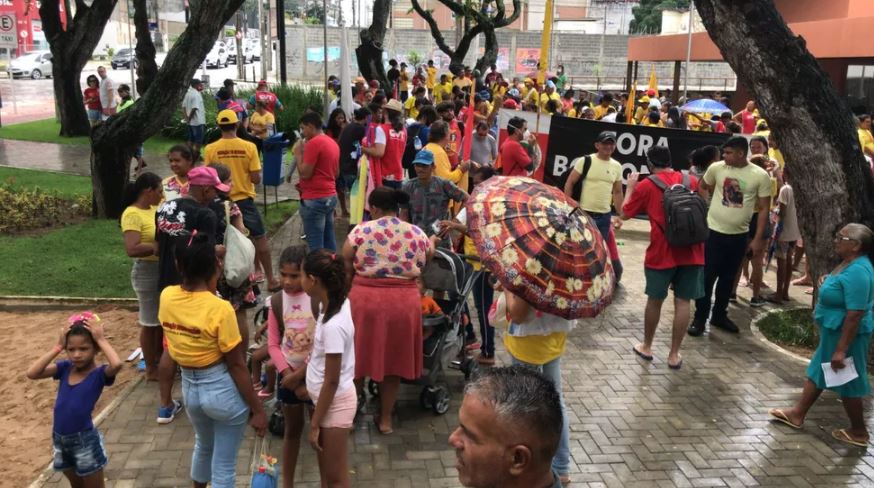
(633, 424)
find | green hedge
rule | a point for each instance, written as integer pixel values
(295, 99)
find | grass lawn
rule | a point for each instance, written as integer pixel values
(793, 328)
(66, 185)
(277, 214)
(47, 130)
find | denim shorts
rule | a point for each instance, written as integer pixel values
(251, 217)
(195, 134)
(287, 397)
(82, 452)
(345, 182)
(144, 281)
(94, 114)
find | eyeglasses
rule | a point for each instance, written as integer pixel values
(843, 238)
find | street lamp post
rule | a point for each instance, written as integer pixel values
(688, 54)
(325, 50)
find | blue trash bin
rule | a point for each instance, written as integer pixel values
(273, 150)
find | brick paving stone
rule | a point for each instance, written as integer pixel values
(633, 423)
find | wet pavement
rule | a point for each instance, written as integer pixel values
(633, 423)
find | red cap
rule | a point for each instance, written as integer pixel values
(262, 82)
(650, 92)
(262, 469)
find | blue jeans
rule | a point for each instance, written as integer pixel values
(318, 222)
(552, 370)
(483, 295)
(219, 414)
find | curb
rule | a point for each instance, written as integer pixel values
(38, 303)
(49, 471)
(772, 345)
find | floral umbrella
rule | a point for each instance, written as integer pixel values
(541, 246)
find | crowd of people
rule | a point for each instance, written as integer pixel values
(329, 327)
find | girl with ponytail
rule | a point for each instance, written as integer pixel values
(331, 369)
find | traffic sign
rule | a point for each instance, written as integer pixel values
(7, 31)
(238, 35)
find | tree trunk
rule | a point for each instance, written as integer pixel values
(490, 53)
(71, 49)
(811, 122)
(369, 52)
(113, 142)
(147, 68)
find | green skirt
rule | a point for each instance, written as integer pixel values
(858, 350)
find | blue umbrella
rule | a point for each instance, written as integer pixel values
(705, 105)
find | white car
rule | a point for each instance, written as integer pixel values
(34, 65)
(217, 57)
(252, 48)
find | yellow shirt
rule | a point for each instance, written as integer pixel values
(404, 81)
(866, 140)
(499, 91)
(259, 123)
(135, 219)
(462, 82)
(734, 196)
(597, 195)
(200, 328)
(776, 155)
(432, 78)
(544, 99)
(536, 349)
(572, 113)
(410, 105)
(442, 167)
(647, 123)
(442, 90)
(600, 111)
(523, 92)
(242, 158)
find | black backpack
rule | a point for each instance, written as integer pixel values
(410, 149)
(577, 192)
(685, 213)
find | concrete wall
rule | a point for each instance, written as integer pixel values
(579, 53)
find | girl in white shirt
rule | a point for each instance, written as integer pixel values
(331, 368)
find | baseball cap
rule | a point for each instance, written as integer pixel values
(228, 82)
(650, 93)
(511, 104)
(360, 79)
(424, 157)
(606, 135)
(550, 84)
(643, 99)
(195, 82)
(227, 117)
(206, 176)
(262, 82)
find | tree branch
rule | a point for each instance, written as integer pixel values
(501, 21)
(147, 68)
(435, 29)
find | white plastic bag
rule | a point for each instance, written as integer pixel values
(239, 253)
(498, 312)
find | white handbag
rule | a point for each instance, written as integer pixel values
(239, 253)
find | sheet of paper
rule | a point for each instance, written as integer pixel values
(840, 377)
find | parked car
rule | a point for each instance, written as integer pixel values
(217, 57)
(34, 65)
(124, 58)
(253, 49)
(231, 48)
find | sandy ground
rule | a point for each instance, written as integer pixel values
(26, 406)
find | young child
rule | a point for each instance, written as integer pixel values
(331, 367)
(429, 308)
(291, 326)
(78, 446)
(787, 234)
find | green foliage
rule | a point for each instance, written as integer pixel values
(32, 209)
(414, 58)
(47, 130)
(295, 99)
(110, 51)
(648, 15)
(278, 214)
(791, 328)
(65, 185)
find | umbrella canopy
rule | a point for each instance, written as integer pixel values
(541, 246)
(705, 106)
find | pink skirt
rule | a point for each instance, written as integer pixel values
(388, 328)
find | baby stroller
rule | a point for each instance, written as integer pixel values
(454, 276)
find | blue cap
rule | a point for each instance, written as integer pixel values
(485, 95)
(424, 157)
(550, 84)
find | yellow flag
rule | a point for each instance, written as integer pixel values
(629, 107)
(653, 82)
(545, 44)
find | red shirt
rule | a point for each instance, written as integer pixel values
(94, 95)
(748, 120)
(268, 98)
(648, 198)
(323, 153)
(392, 159)
(454, 143)
(514, 159)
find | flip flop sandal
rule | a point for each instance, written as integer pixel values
(645, 357)
(376, 419)
(844, 436)
(780, 416)
(676, 366)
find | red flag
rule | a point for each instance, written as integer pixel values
(468, 127)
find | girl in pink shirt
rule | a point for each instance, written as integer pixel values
(289, 344)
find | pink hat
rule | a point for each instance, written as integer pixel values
(206, 176)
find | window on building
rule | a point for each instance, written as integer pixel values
(860, 86)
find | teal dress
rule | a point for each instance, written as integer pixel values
(851, 289)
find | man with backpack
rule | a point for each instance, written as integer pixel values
(675, 256)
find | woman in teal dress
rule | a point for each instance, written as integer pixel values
(843, 314)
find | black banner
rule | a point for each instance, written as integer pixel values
(572, 138)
